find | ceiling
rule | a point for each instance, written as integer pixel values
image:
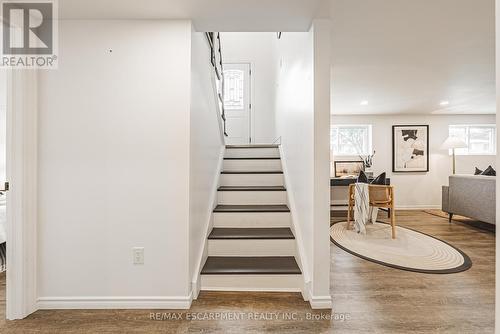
(400, 56)
(207, 15)
(407, 56)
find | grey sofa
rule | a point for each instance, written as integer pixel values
(471, 196)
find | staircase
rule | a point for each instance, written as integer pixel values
(251, 246)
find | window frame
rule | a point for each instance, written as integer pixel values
(369, 128)
(459, 152)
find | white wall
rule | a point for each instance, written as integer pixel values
(419, 190)
(256, 48)
(207, 146)
(302, 118)
(114, 165)
(295, 125)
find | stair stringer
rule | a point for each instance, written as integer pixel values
(202, 257)
(300, 257)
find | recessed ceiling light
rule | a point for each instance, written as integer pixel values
(364, 103)
(444, 103)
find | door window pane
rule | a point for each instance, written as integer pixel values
(234, 81)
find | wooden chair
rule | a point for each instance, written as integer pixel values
(380, 196)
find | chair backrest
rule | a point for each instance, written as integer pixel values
(380, 194)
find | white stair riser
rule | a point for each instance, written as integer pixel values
(251, 197)
(252, 283)
(252, 165)
(252, 219)
(258, 247)
(251, 180)
(252, 153)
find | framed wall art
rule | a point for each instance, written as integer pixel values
(348, 168)
(410, 148)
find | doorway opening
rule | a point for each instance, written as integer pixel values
(250, 71)
(237, 103)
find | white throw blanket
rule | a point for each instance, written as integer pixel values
(363, 213)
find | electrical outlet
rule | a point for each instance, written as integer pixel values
(138, 253)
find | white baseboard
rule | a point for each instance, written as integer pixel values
(316, 302)
(398, 207)
(320, 302)
(418, 207)
(119, 302)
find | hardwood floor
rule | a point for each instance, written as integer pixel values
(394, 301)
(374, 298)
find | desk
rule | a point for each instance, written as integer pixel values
(342, 183)
(346, 181)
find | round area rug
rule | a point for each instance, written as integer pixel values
(411, 250)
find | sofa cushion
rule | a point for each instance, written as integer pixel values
(362, 178)
(489, 172)
(380, 179)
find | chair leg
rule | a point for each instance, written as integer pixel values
(349, 215)
(450, 217)
(393, 224)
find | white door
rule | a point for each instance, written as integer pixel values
(237, 103)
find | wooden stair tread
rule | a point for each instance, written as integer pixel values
(251, 233)
(252, 208)
(252, 172)
(236, 265)
(250, 146)
(251, 188)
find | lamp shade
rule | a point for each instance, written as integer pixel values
(453, 142)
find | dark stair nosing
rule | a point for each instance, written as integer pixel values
(254, 158)
(250, 146)
(273, 233)
(255, 265)
(251, 208)
(251, 188)
(252, 172)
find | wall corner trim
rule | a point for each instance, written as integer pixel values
(22, 199)
(196, 286)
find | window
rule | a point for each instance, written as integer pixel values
(233, 92)
(351, 139)
(480, 139)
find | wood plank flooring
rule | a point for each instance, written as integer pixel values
(386, 300)
(374, 298)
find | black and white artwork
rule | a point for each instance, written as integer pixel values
(410, 148)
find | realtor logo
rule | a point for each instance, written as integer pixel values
(29, 33)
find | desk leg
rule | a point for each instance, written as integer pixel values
(388, 213)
